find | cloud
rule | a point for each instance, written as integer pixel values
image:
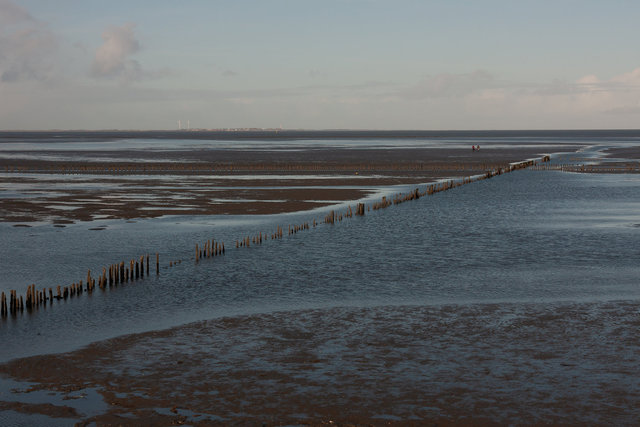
(229, 73)
(449, 85)
(619, 94)
(26, 45)
(12, 13)
(112, 58)
(624, 110)
(317, 74)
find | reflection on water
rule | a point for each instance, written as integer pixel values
(524, 237)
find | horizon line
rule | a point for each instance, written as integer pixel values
(280, 129)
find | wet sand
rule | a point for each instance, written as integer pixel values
(225, 181)
(624, 153)
(519, 364)
(446, 365)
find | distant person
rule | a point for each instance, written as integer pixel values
(473, 147)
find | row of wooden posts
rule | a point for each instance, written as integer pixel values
(599, 168)
(211, 248)
(114, 275)
(122, 272)
(261, 237)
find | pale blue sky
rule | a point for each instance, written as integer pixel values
(332, 64)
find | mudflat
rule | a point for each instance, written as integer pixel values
(247, 181)
(560, 363)
(445, 365)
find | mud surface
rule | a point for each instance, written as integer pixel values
(502, 364)
(624, 152)
(558, 363)
(221, 181)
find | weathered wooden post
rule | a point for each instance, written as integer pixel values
(27, 299)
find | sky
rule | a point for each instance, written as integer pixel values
(331, 64)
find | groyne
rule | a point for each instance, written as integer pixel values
(134, 270)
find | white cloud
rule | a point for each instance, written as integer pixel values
(26, 45)
(630, 79)
(112, 58)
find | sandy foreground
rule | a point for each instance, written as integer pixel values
(440, 365)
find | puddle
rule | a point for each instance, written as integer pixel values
(10, 418)
(191, 415)
(87, 402)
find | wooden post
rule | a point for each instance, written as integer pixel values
(157, 263)
(27, 298)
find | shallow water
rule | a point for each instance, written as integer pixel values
(491, 273)
(524, 237)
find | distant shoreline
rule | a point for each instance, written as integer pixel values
(254, 133)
